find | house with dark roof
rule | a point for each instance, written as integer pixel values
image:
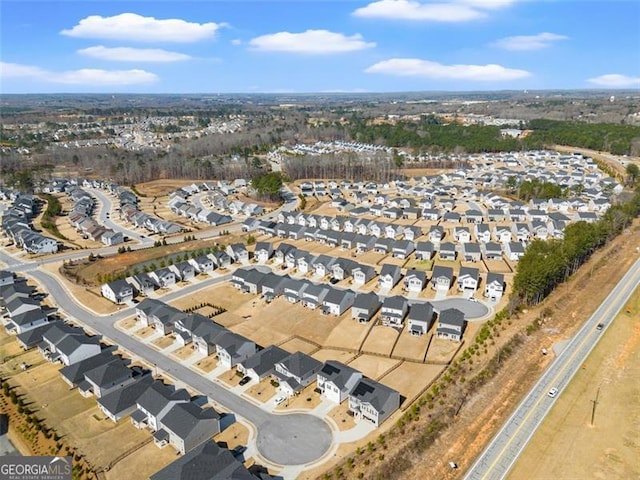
(295, 372)
(67, 344)
(202, 264)
(394, 309)
(272, 286)
(119, 291)
(372, 401)
(365, 306)
(420, 318)
(27, 320)
(441, 278)
(447, 251)
(73, 374)
(122, 402)
(263, 363)
(206, 461)
(362, 274)
(415, 280)
(186, 425)
(155, 402)
(403, 248)
(451, 324)
(232, 348)
(142, 284)
(389, 276)
(468, 279)
(425, 250)
(336, 381)
(105, 379)
(263, 252)
(163, 278)
(494, 286)
(336, 302)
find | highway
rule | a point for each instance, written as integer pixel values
(499, 456)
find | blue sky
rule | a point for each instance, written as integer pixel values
(309, 46)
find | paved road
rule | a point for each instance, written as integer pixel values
(283, 439)
(500, 455)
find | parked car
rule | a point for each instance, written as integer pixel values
(553, 392)
(279, 400)
(245, 380)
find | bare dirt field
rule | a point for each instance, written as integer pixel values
(234, 435)
(498, 266)
(411, 378)
(349, 333)
(207, 364)
(183, 353)
(163, 342)
(297, 344)
(158, 188)
(567, 445)
(380, 340)
(372, 366)
(307, 399)
(143, 463)
(323, 355)
(412, 347)
(145, 332)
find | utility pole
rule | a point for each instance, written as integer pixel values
(595, 403)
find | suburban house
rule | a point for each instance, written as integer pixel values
(263, 252)
(272, 286)
(462, 234)
(336, 381)
(420, 318)
(155, 402)
(365, 306)
(238, 252)
(482, 232)
(27, 320)
(232, 348)
(394, 309)
(336, 302)
(105, 379)
(389, 276)
(184, 271)
(415, 281)
(403, 248)
(186, 425)
(468, 279)
(313, 296)
(118, 292)
(206, 461)
(425, 250)
(362, 274)
(293, 289)
(441, 278)
(163, 278)
(471, 252)
(123, 402)
(67, 344)
(112, 238)
(448, 251)
(263, 363)
(513, 250)
(203, 264)
(436, 233)
(492, 251)
(142, 284)
(494, 287)
(373, 401)
(451, 324)
(295, 372)
(73, 374)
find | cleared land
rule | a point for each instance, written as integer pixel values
(567, 445)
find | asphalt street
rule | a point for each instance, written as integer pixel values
(497, 459)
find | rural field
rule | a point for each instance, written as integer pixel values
(567, 445)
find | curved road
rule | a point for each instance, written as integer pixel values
(500, 455)
(292, 439)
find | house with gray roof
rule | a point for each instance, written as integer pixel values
(119, 291)
(362, 274)
(394, 309)
(272, 286)
(122, 402)
(425, 250)
(365, 306)
(420, 318)
(232, 348)
(27, 320)
(293, 289)
(295, 372)
(206, 461)
(373, 402)
(186, 425)
(313, 296)
(447, 251)
(67, 344)
(73, 374)
(494, 286)
(155, 402)
(142, 284)
(163, 278)
(263, 363)
(415, 280)
(451, 324)
(105, 379)
(336, 381)
(263, 252)
(202, 264)
(336, 302)
(441, 278)
(471, 252)
(389, 276)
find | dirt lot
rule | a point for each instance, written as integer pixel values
(297, 344)
(206, 364)
(410, 378)
(162, 187)
(143, 463)
(349, 333)
(372, 366)
(183, 353)
(162, 342)
(234, 435)
(306, 399)
(262, 391)
(340, 415)
(410, 346)
(380, 340)
(566, 445)
(323, 355)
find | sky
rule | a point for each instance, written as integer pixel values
(299, 46)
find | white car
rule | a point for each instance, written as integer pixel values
(553, 392)
(279, 400)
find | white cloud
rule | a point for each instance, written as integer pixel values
(310, 42)
(127, 54)
(615, 80)
(85, 76)
(412, 10)
(529, 42)
(134, 27)
(236, 41)
(489, 4)
(414, 67)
